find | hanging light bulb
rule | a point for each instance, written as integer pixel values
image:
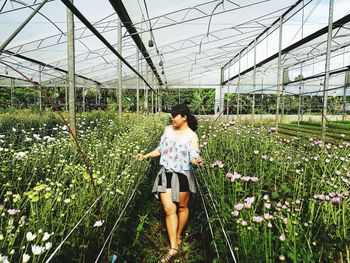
(150, 43)
(6, 72)
(162, 72)
(161, 63)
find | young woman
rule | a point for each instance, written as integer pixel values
(178, 151)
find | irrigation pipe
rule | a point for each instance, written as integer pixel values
(207, 215)
(116, 223)
(214, 206)
(77, 224)
(62, 242)
(222, 227)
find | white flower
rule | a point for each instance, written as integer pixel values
(3, 259)
(25, 258)
(51, 139)
(282, 258)
(46, 236)
(99, 223)
(14, 129)
(48, 245)
(20, 155)
(30, 236)
(37, 250)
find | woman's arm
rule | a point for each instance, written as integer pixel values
(196, 159)
(154, 153)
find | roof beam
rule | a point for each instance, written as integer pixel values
(46, 65)
(322, 31)
(126, 20)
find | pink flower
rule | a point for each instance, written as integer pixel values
(250, 199)
(267, 205)
(217, 164)
(336, 200)
(272, 129)
(234, 213)
(239, 206)
(337, 172)
(13, 212)
(331, 194)
(245, 178)
(319, 197)
(247, 205)
(235, 176)
(282, 237)
(244, 223)
(268, 216)
(257, 219)
(254, 179)
(229, 175)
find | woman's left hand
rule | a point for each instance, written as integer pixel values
(197, 161)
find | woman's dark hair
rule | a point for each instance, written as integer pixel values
(192, 121)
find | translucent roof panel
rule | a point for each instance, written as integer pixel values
(194, 38)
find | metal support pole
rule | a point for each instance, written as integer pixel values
(137, 81)
(152, 95)
(98, 96)
(219, 100)
(238, 84)
(12, 91)
(84, 106)
(155, 98)
(119, 95)
(285, 80)
(254, 83)
(327, 66)
(347, 83)
(279, 72)
(228, 94)
(283, 101)
(71, 70)
(146, 89)
(39, 90)
(299, 103)
(261, 98)
(15, 33)
(160, 92)
(344, 104)
(66, 92)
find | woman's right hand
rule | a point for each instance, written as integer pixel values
(140, 157)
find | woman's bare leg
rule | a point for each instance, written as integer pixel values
(170, 218)
(182, 214)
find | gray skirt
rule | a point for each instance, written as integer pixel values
(160, 184)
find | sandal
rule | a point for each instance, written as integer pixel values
(167, 257)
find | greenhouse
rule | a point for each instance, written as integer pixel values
(175, 131)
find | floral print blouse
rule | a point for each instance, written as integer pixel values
(176, 154)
